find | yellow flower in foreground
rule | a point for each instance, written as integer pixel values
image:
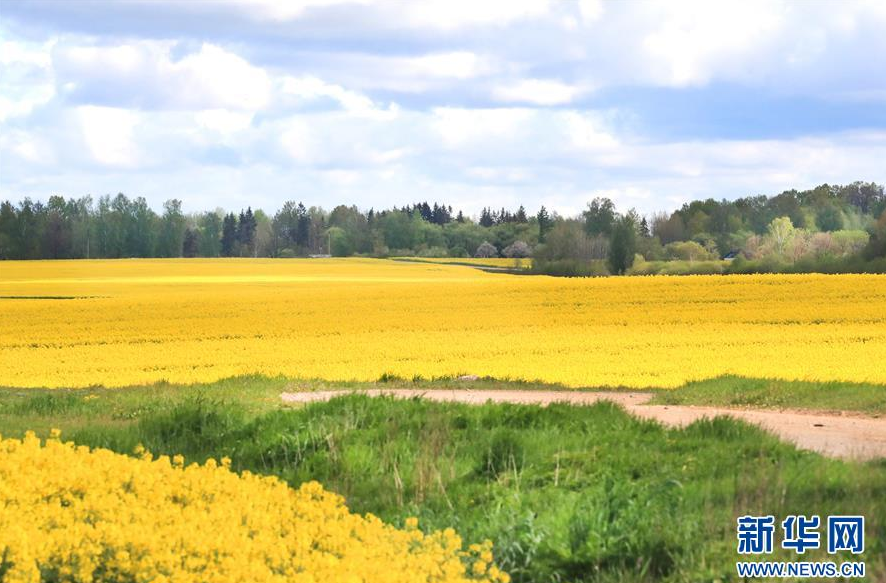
(81, 515)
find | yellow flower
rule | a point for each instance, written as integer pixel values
(192, 321)
(80, 512)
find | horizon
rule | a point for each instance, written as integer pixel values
(473, 217)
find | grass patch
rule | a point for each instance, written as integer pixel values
(732, 391)
(566, 493)
(42, 409)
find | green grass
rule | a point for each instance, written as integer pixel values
(69, 409)
(732, 391)
(566, 493)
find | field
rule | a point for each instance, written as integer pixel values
(164, 379)
(119, 323)
(565, 493)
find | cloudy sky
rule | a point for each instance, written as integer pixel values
(475, 102)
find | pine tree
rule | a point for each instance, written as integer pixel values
(520, 217)
(191, 244)
(486, 218)
(246, 232)
(544, 224)
(303, 226)
(229, 235)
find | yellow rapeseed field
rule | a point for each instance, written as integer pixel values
(139, 321)
(71, 514)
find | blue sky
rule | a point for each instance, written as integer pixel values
(254, 102)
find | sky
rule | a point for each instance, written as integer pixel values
(473, 103)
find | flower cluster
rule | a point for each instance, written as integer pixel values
(187, 321)
(68, 513)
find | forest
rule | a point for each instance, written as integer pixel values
(827, 228)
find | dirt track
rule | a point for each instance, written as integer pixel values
(829, 434)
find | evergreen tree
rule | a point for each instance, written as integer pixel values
(246, 232)
(229, 235)
(544, 223)
(8, 224)
(191, 244)
(57, 230)
(441, 215)
(424, 209)
(520, 217)
(486, 218)
(303, 224)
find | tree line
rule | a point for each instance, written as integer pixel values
(829, 220)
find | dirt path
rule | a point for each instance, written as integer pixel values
(832, 435)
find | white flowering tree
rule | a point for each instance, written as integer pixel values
(486, 250)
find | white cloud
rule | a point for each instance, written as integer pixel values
(220, 77)
(695, 37)
(212, 77)
(296, 140)
(25, 68)
(585, 133)
(388, 156)
(120, 58)
(25, 102)
(537, 91)
(223, 121)
(457, 126)
(502, 174)
(310, 88)
(17, 53)
(443, 15)
(108, 134)
(282, 11)
(28, 148)
(455, 65)
(414, 74)
(369, 102)
(454, 14)
(590, 10)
